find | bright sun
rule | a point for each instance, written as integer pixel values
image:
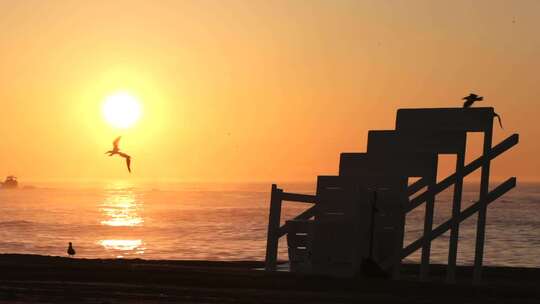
(121, 110)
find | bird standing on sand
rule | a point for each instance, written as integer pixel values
(116, 150)
(472, 98)
(70, 250)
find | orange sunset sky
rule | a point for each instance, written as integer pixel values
(253, 90)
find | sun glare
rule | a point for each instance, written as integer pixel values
(121, 110)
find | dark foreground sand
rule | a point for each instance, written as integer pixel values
(45, 279)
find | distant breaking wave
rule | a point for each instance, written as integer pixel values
(17, 223)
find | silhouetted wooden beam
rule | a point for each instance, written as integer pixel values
(388, 163)
(272, 239)
(283, 230)
(308, 213)
(444, 227)
(428, 226)
(475, 164)
(417, 186)
(414, 141)
(456, 209)
(300, 198)
(458, 119)
(482, 213)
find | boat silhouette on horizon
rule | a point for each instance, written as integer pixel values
(10, 182)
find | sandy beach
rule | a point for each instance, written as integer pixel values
(47, 279)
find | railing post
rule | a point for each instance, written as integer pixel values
(428, 226)
(456, 209)
(499, 149)
(495, 194)
(481, 223)
(274, 218)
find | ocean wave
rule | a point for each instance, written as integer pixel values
(16, 223)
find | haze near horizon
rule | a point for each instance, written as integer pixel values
(252, 90)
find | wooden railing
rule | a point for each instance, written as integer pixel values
(275, 231)
(463, 215)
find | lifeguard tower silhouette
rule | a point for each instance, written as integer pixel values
(360, 214)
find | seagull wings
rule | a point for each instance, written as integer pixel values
(470, 99)
(116, 150)
(128, 160)
(115, 143)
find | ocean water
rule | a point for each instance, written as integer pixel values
(225, 222)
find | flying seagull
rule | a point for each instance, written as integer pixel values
(472, 98)
(70, 250)
(498, 118)
(116, 151)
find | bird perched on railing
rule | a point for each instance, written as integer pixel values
(70, 250)
(116, 150)
(472, 98)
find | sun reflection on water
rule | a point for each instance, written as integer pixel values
(126, 246)
(121, 208)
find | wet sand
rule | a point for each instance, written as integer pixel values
(46, 279)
